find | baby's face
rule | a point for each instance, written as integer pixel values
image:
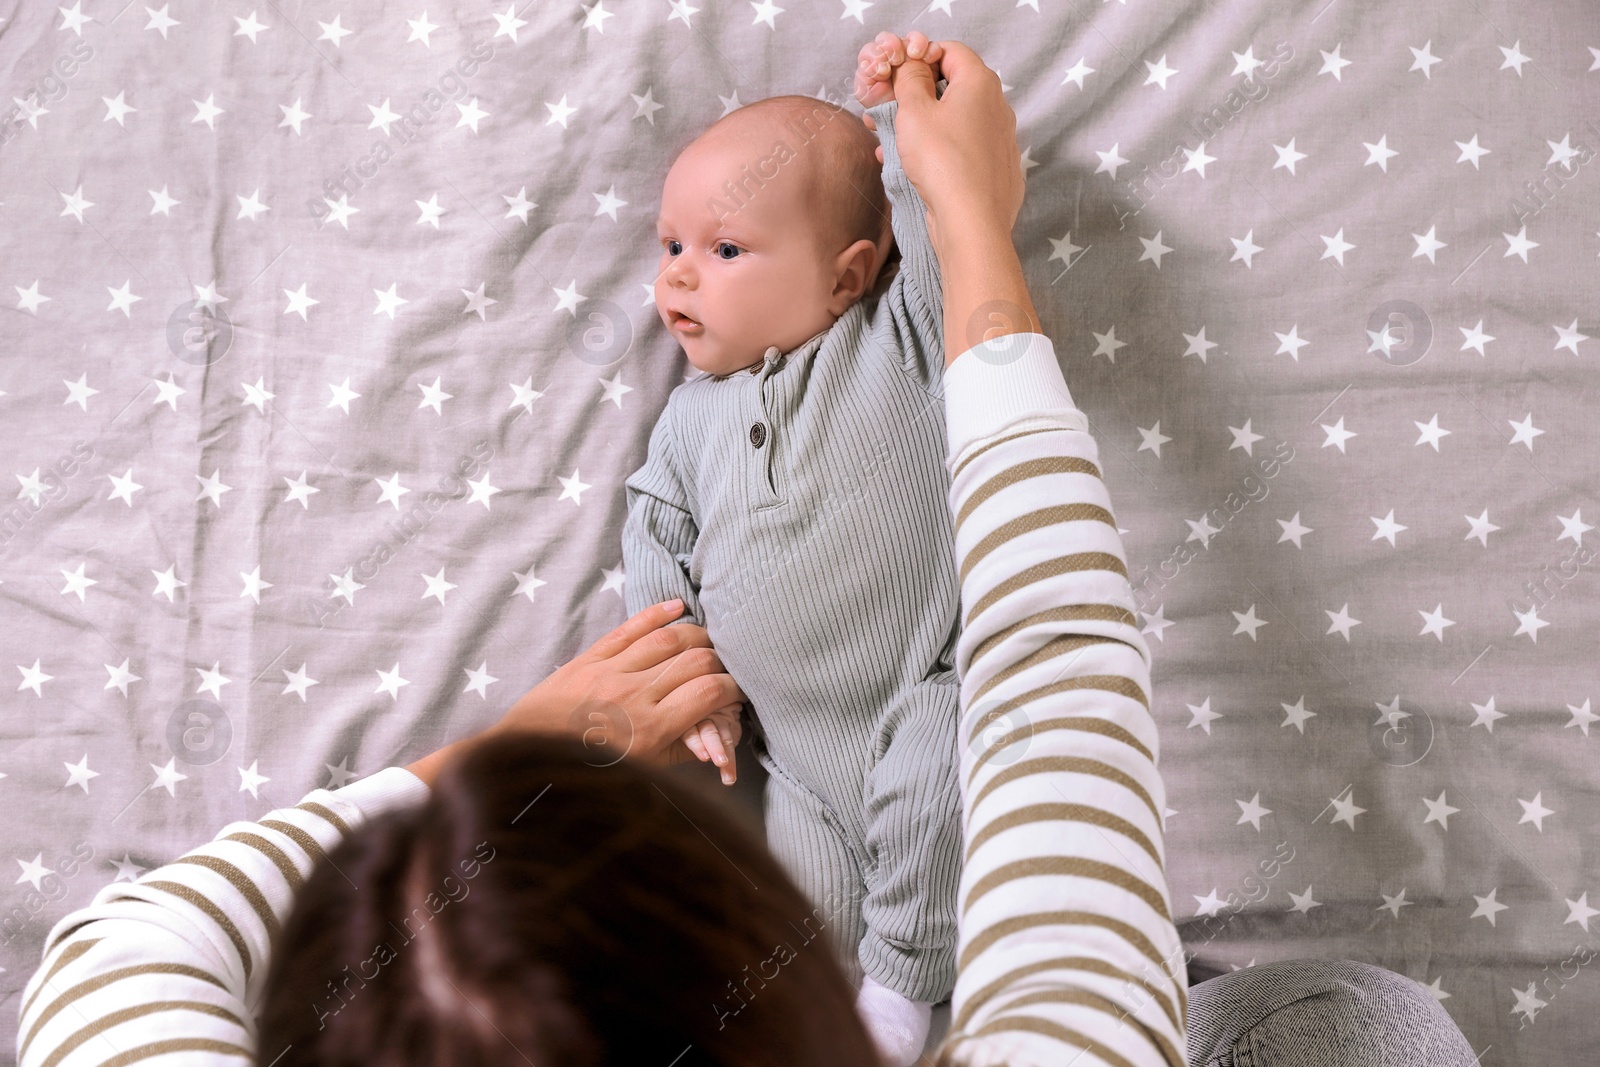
(740, 252)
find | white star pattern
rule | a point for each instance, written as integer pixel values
(1159, 72)
(1471, 152)
(1296, 714)
(1341, 622)
(1245, 249)
(1487, 714)
(1582, 716)
(1252, 811)
(206, 111)
(1524, 431)
(1439, 811)
(1488, 906)
(1481, 528)
(333, 31)
(421, 30)
(1345, 810)
(1202, 716)
(1423, 59)
(293, 117)
(1334, 63)
(120, 677)
(506, 194)
(1153, 249)
(1393, 904)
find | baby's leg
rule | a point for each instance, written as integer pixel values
(810, 845)
(913, 839)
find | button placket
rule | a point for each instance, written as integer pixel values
(759, 433)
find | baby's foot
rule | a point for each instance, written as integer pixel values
(878, 57)
(898, 1025)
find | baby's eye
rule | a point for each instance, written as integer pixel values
(671, 251)
(727, 244)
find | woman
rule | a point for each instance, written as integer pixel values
(526, 897)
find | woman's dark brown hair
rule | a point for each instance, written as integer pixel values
(541, 910)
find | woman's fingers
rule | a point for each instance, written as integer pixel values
(650, 648)
(645, 621)
(957, 62)
(695, 693)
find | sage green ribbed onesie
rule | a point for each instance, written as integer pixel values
(800, 509)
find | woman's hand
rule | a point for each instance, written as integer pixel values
(632, 693)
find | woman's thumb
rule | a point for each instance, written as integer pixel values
(913, 83)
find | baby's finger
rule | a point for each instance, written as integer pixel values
(713, 743)
(867, 61)
(697, 746)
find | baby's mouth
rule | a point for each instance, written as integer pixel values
(683, 322)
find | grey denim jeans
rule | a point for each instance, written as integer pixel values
(1320, 1013)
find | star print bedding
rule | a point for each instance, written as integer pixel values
(329, 343)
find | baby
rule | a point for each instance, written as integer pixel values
(795, 497)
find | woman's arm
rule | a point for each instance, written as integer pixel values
(1067, 949)
(985, 294)
(1066, 935)
(175, 961)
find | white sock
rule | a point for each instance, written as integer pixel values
(898, 1025)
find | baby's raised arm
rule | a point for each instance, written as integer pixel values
(959, 150)
(915, 297)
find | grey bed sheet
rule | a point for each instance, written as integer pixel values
(327, 343)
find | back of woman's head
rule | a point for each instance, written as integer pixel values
(541, 910)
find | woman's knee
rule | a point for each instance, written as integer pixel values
(1321, 1013)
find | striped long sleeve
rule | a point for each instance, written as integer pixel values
(1067, 952)
(174, 964)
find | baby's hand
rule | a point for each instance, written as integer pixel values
(878, 57)
(715, 739)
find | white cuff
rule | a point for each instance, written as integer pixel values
(387, 790)
(1003, 381)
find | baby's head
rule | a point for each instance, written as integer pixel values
(773, 222)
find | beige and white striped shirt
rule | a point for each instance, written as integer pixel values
(1068, 953)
